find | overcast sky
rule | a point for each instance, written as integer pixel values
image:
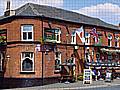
(106, 10)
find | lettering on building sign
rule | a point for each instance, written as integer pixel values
(44, 48)
(3, 37)
(47, 47)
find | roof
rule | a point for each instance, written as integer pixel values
(31, 9)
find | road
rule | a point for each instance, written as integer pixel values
(104, 88)
(96, 85)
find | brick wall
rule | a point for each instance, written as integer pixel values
(14, 50)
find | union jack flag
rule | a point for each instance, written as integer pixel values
(95, 35)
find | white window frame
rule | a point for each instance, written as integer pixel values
(58, 58)
(22, 26)
(1, 61)
(73, 39)
(59, 35)
(56, 34)
(117, 41)
(110, 38)
(23, 58)
(87, 38)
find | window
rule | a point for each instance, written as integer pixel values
(109, 57)
(116, 41)
(117, 57)
(71, 60)
(87, 40)
(98, 56)
(27, 32)
(57, 60)
(52, 35)
(1, 61)
(87, 55)
(27, 62)
(109, 40)
(73, 41)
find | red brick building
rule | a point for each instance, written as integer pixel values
(42, 38)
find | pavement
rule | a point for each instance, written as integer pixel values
(72, 86)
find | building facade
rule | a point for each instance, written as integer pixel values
(40, 39)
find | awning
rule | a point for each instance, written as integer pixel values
(103, 64)
(67, 64)
(108, 50)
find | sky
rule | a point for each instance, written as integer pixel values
(106, 10)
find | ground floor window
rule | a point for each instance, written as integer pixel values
(109, 57)
(117, 57)
(57, 60)
(27, 62)
(98, 56)
(71, 60)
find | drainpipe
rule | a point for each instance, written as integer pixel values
(84, 50)
(42, 54)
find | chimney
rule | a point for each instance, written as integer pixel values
(8, 11)
(8, 5)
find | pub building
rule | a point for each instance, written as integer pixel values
(42, 45)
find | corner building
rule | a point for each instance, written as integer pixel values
(42, 38)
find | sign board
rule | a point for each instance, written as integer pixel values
(3, 37)
(87, 77)
(44, 47)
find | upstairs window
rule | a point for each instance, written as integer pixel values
(1, 61)
(116, 41)
(57, 60)
(109, 40)
(27, 62)
(27, 32)
(52, 35)
(87, 40)
(73, 41)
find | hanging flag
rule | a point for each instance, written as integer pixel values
(95, 35)
(80, 33)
